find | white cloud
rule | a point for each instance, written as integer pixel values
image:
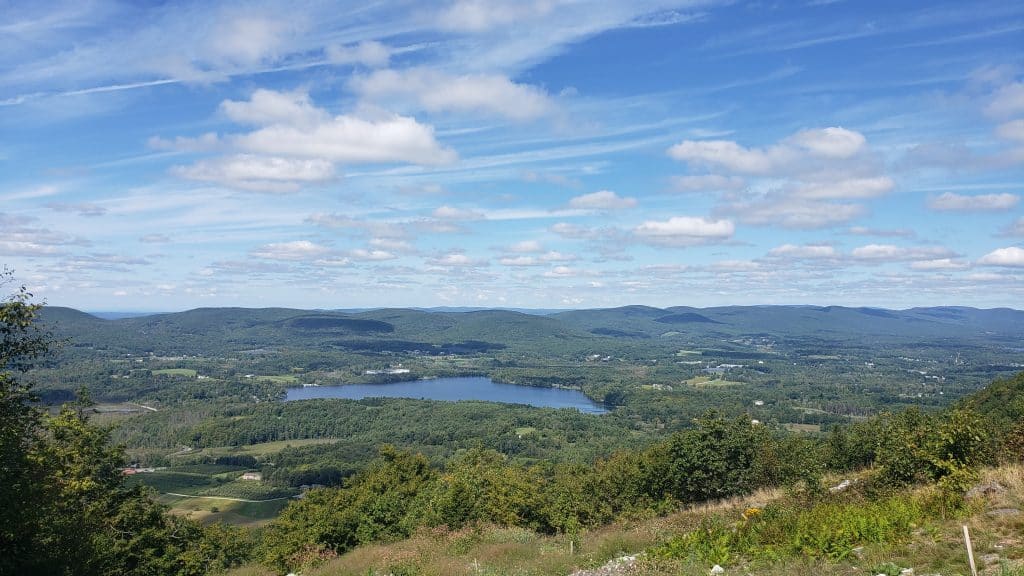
(1012, 130)
(1007, 101)
(707, 183)
(938, 264)
(369, 53)
(829, 142)
(437, 91)
(371, 255)
(564, 272)
(893, 253)
(574, 231)
(539, 260)
(894, 233)
(736, 265)
(352, 140)
(684, 231)
(726, 154)
(602, 200)
(298, 250)
(81, 208)
(951, 201)
(846, 189)
(267, 107)
(259, 173)
(525, 247)
(809, 251)
(456, 260)
(483, 15)
(247, 40)
(1015, 228)
(789, 212)
(826, 143)
(1011, 256)
(453, 213)
(203, 143)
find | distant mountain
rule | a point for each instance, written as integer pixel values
(219, 330)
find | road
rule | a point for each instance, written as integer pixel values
(225, 497)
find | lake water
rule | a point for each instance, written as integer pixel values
(454, 389)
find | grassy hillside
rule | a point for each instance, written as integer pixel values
(907, 536)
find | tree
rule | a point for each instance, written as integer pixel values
(64, 507)
(21, 430)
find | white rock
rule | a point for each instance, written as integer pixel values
(716, 569)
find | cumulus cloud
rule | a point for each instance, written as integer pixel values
(456, 260)
(371, 53)
(372, 255)
(259, 173)
(1011, 256)
(453, 213)
(882, 232)
(538, 260)
(973, 203)
(207, 142)
(845, 189)
(299, 250)
(294, 143)
(602, 200)
(1012, 130)
(574, 231)
(249, 39)
(437, 91)
(684, 231)
(788, 212)
(825, 143)
(266, 107)
(1008, 100)
(483, 15)
(893, 253)
(1015, 228)
(938, 264)
(19, 236)
(809, 251)
(351, 140)
(525, 247)
(800, 181)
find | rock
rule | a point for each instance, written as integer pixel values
(1004, 512)
(986, 489)
(613, 567)
(716, 569)
(907, 572)
(841, 486)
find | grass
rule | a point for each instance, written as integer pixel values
(279, 379)
(257, 450)
(794, 427)
(707, 382)
(211, 511)
(186, 372)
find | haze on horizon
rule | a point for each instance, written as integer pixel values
(537, 154)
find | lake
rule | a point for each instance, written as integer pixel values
(455, 389)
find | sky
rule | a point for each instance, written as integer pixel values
(161, 156)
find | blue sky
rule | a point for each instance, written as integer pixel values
(529, 154)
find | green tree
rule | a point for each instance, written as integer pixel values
(64, 508)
